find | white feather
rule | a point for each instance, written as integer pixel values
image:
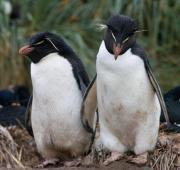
(101, 27)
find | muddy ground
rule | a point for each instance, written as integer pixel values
(18, 150)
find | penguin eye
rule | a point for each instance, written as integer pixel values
(113, 36)
(38, 43)
(125, 40)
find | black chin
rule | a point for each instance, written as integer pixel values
(35, 57)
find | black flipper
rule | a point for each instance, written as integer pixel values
(89, 107)
(157, 89)
(140, 52)
(82, 85)
(79, 72)
(170, 126)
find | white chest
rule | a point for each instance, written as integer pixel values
(53, 80)
(124, 79)
(126, 101)
(56, 96)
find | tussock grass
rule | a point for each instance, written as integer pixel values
(76, 21)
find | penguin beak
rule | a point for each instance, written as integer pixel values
(25, 50)
(116, 50)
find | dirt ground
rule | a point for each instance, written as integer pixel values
(120, 165)
(18, 150)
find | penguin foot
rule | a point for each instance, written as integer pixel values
(73, 163)
(139, 159)
(115, 156)
(48, 162)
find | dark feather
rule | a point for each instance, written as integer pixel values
(12, 115)
(7, 97)
(172, 100)
(79, 72)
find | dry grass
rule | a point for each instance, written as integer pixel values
(166, 156)
(17, 148)
(10, 155)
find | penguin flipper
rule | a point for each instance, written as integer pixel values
(79, 73)
(82, 85)
(170, 126)
(89, 107)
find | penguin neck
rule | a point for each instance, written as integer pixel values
(49, 58)
(103, 51)
(106, 61)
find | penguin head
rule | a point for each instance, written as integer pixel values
(42, 44)
(119, 36)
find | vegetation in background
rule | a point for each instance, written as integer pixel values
(75, 21)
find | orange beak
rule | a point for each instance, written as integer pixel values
(116, 50)
(25, 50)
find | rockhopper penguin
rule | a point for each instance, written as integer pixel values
(59, 81)
(128, 96)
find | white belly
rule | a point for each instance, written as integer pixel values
(56, 106)
(128, 107)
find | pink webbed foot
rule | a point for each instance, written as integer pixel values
(48, 162)
(115, 156)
